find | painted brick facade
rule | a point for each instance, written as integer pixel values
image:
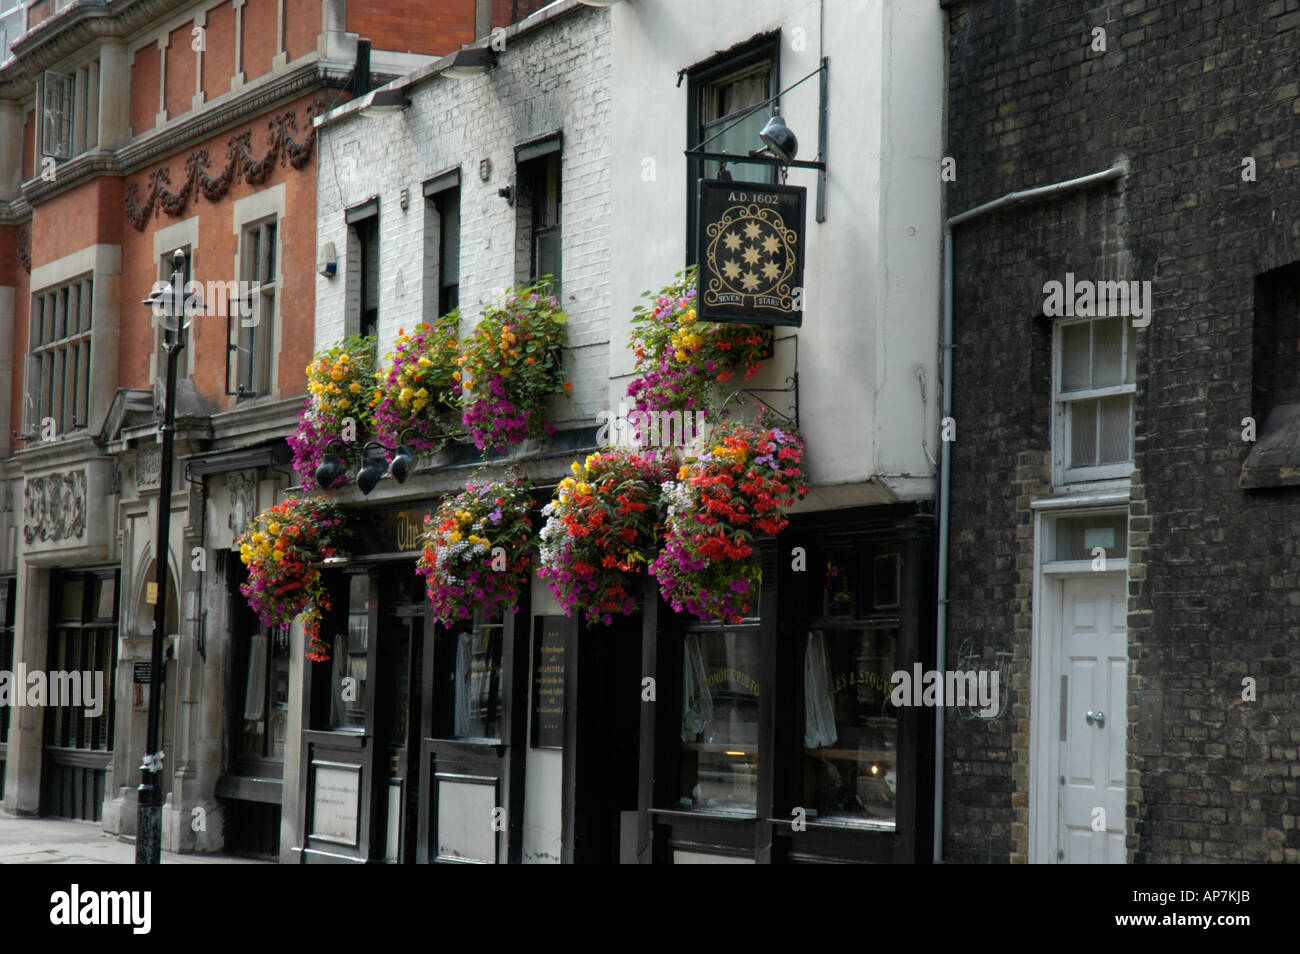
(1184, 95)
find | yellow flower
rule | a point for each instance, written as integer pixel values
(345, 404)
(355, 387)
(683, 472)
(681, 355)
(422, 393)
(344, 358)
(273, 527)
(425, 362)
(454, 536)
(575, 467)
(279, 556)
(336, 374)
(406, 394)
(259, 537)
(583, 489)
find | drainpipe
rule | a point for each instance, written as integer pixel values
(941, 607)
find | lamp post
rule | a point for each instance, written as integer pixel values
(170, 306)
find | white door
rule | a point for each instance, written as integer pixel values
(1090, 691)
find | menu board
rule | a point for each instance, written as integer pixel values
(550, 673)
(335, 802)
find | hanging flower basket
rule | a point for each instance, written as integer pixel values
(420, 386)
(599, 529)
(512, 363)
(476, 549)
(281, 549)
(719, 503)
(682, 363)
(341, 393)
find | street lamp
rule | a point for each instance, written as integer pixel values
(173, 308)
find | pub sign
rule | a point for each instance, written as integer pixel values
(751, 252)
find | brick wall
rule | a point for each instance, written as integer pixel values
(416, 26)
(181, 63)
(548, 80)
(1214, 594)
(145, 76)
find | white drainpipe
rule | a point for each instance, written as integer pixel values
(941, 608)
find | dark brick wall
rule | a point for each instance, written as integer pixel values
(1185, 91)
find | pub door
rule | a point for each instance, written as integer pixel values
(605, 726)
(471, 771)
(397, 799)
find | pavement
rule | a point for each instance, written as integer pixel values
(44, 841)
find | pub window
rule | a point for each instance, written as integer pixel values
(258, 273)
(850, 734)
(539, 211)
(1096, 383)
(84, 639)
(265, 712)
(442, 269)
(722, 90)
(719, 724)
(57, 369)
(1275, 380)
(467, 679)
(348, 657)
(363, 266)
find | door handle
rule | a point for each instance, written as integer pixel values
(1098, 717)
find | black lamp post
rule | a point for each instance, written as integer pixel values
(173, 309)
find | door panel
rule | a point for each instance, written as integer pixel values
(1094, 656)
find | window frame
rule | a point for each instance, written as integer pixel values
(46, 360)
(361, 220)
(539, 176)
(1062, 434)
(704, 76)
(438, 192)
(262, 277)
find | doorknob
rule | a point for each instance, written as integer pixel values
(1098, 717)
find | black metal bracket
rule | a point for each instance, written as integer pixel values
(791, 387)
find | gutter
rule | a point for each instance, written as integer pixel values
(1117, 171)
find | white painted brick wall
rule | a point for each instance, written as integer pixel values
(554, 79)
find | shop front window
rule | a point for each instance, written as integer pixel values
(348, 705)
(468, 700)
(719, 726)
(266, 695)
(850, 731)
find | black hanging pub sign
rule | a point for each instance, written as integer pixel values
(751, 251)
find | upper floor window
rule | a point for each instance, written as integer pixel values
(256, 326)
(443, 257)
(13, 23)
(69, 112)
(725, 90)
(539, 210)
(58, 366)
(363, 266)
(166, 266)
(1094, 390)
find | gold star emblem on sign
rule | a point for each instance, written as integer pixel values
(732, 241)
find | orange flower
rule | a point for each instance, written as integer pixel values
(568, 385)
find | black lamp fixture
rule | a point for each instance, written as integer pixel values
(374, 467)
(386, 101)
(779, 139)
(471, 61)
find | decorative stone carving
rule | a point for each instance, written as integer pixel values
(55, 507)
(242, 487)
(148, 465)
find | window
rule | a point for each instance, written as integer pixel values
(258, 277)
(363, 266)
(539, 198)
(349, 659)
(442, 244)
(8, 586)
(719, 728)
(266, 695)
(13, 20)
(1275, 380)
(84, 639)
(467, 689)
(720, 93)
(70, 111)
(58, 367)
(1096, 374)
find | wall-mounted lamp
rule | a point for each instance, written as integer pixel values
(386, 101)
(471, 61)
(507, 192)
(373, 468)
(780, 140)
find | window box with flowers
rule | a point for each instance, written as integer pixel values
(418, 393)
(341, 392)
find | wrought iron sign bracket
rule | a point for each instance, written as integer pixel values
(791, 387)
(757, 157)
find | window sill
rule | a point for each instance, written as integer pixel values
(1274, 461)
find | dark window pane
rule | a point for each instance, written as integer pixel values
(719, 727)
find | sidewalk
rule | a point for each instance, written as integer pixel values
(36, 841)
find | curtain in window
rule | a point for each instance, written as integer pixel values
(697, 706)
(464, 659)
(819, 709)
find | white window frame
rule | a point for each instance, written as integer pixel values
(264, 301)
(76, 115)
(1061, 431)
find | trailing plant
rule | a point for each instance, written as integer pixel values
(419, 386)
(476, 549)
(719, 503)
(681, 362)
(341, 395)
(512, 363)
(599, 531)
(281, 548)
